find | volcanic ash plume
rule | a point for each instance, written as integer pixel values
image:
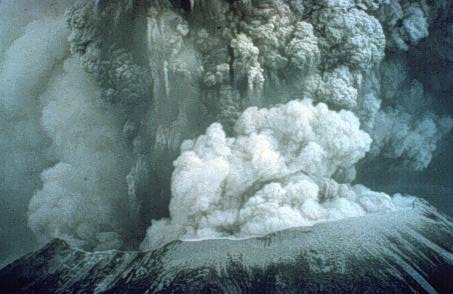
(279, 106)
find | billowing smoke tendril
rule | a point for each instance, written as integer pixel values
(269, 110)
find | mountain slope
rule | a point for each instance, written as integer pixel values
(410, 250)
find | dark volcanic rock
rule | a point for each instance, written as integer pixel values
(396, 252)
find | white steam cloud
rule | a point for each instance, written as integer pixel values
(32, 43)
(84, 196)
(277, 172)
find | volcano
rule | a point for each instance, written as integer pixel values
(403, 251)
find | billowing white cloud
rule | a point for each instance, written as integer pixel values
(84, 196)
(277, 172)
(32, 44)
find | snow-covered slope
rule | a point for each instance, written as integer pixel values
(393, 252)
